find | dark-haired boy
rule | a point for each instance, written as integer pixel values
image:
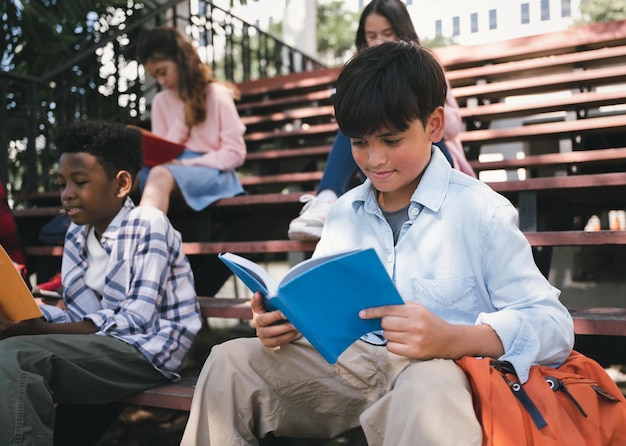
(131, 308)
(457, 257)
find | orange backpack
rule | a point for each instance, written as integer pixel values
(575, 404)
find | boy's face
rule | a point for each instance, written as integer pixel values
(88, 196)
(394, 161)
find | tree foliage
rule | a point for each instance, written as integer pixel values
(592, 11)
(53, 42)
(336, 28)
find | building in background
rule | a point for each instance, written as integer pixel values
(476, 22)
(460, 21)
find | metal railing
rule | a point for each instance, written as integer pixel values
(104, 81)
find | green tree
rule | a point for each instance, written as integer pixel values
(437, 41)
(336, 28)
(601, 11)
(53, 43)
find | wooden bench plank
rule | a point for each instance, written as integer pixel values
(596, 35)
(271, 199)
(282, 178)
(289, 83)
(599, 321)
(541, 238)
(277, 118)
(551, 130)
(586, 157)
(266, 105)
(280, 154)
(581, 101)
(613, 180)
(175, 396)
(313, 130)
(203, 248)
(576, 238)
(535, 66)
(552, 82)
(225, 307)
(251, 247)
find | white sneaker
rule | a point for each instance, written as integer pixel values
(308, 225)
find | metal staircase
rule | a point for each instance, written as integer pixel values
(102, 80)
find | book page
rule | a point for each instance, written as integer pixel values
(309, 264)
(250, 273)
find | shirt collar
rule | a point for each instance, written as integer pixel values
(110, 233)
(430, 192)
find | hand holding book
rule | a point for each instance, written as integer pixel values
(322, 296)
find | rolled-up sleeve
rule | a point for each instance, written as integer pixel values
(533, 326)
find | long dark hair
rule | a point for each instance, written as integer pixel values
(167, 43)
(393, 10)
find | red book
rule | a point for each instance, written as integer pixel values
(158, 150)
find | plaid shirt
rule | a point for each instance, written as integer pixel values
(149, 300)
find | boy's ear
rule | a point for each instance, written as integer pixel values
(437, 123)
(124, 183)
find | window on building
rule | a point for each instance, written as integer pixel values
(456, 26)
(438, 28)
(474, 22)
(566, 8)
(525, 13)
(493, 19)
(545, 10)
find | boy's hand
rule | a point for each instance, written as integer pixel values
(269, 328)
(412, 331)
(415, 332)
(5, 323)
(9, 328)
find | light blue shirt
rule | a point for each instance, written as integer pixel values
(461, 255)
(148, 301)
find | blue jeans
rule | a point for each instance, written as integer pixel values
(341, 169)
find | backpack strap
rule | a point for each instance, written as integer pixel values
(516, 387)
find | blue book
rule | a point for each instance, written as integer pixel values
(322, 296)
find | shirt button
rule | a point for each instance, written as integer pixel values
(390, 258)
(414, 211)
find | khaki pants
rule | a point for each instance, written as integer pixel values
(246, 391)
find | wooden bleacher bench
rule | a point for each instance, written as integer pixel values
(540, 90)
(572, 162)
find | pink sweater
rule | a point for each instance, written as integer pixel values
(219, 137)
(451, 134)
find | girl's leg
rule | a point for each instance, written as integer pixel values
(158, 189)
(338, 176)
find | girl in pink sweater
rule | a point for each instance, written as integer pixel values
(197, 111)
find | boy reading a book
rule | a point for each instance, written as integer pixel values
(131, 308)
(455, 253)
